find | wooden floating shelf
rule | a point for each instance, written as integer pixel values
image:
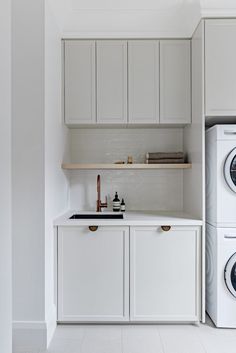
(104, 166)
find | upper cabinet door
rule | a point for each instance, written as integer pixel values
(112, 81)
(175, 84)
(79, 82)
(220, 67)
(143, 81)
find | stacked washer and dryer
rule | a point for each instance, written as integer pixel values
(221, 225)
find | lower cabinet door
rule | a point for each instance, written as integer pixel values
(93, 274)
(164, 274)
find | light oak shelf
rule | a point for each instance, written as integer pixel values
(104, 166)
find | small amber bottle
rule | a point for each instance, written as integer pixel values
(122, 205)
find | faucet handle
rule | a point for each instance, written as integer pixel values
(104, 204)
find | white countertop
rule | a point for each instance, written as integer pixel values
(131, 218)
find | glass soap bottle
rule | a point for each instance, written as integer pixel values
(116, 203)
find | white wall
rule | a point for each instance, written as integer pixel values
(142, 190)
(136, 18)
(194, 179)
(56, 190)
(5, 184)
(28, 159)
(39, 185)
(194, 143)
(28, 172)
(133, 18)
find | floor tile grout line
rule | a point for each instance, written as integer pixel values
(162, 343)
(122, 339)
(200, 340)
(83, 339)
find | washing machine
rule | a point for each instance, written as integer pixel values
(221, 225)
(221, 275)
(221, 176)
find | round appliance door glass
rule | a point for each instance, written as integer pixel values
(230, 170)
(230, 275)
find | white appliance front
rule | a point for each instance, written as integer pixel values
(221, 275)
(221, 176)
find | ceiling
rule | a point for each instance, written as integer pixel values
(136, 18)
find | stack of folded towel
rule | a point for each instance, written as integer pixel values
(164, 157)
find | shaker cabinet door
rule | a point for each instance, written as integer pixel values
(79, 81)
(220, 67)
(143, 81)
(175, 82)
(111, 81)
(93, 274)
(164, 274)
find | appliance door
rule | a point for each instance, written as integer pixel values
(230, 170)
(230, 274)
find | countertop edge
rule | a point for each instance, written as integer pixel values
(132, 218)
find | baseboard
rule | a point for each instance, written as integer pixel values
(33, 335)
(29, 336)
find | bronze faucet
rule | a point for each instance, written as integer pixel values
(100, 204)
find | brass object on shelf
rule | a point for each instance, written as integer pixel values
(130, 160)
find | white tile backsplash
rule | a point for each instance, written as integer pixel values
(110, 145)
(141, 189)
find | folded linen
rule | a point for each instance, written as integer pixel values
(165, 161)
(164, 155)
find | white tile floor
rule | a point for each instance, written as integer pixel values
(142, 339)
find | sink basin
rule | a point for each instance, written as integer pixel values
(97, 216)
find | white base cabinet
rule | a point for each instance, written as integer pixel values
(137, 274)
(93, 274)
(164, 274)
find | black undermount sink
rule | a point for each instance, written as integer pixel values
(97, 216)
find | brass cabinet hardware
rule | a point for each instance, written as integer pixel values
(166, 228)
(93, 228)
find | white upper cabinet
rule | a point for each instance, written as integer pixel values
(120, 82)
(143, 81)
(220, 67)
(112, 81)
(175, 82)
(79, 82)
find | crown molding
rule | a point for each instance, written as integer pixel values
(126, 35)
(218, 12)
